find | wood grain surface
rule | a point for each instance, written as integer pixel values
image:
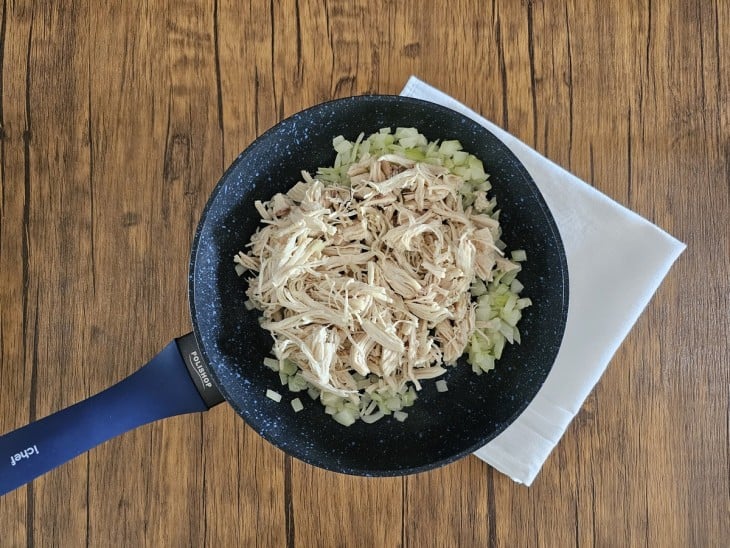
(117, 119)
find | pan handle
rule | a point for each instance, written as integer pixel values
(174, 382)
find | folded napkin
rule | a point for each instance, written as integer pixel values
(600, 238)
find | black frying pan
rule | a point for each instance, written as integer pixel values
(224, 357)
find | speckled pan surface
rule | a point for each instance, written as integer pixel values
(441, 427)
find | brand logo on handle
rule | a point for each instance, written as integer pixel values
(197, 364)
(25, 454)
(200, 375)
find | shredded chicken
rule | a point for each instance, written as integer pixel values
(371, 279)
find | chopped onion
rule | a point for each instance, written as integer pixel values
(297, 405)
(272, 395)
(372, 417)
(448, 148)
(400, 416)
(288, 367)
(441, 386)
(344, 417)
(297, 383)
(519, 255)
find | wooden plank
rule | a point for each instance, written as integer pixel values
(15, 381)
(55, 229)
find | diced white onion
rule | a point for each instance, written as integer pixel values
(272, 395)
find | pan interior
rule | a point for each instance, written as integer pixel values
(441, 427)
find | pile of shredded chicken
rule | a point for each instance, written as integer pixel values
(372, 279)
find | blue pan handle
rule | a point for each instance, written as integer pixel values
(174, 382)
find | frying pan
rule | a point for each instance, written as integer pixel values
(222, 359)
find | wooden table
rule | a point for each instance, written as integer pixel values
(119, 117)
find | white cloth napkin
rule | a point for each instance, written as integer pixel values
(600, 237)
